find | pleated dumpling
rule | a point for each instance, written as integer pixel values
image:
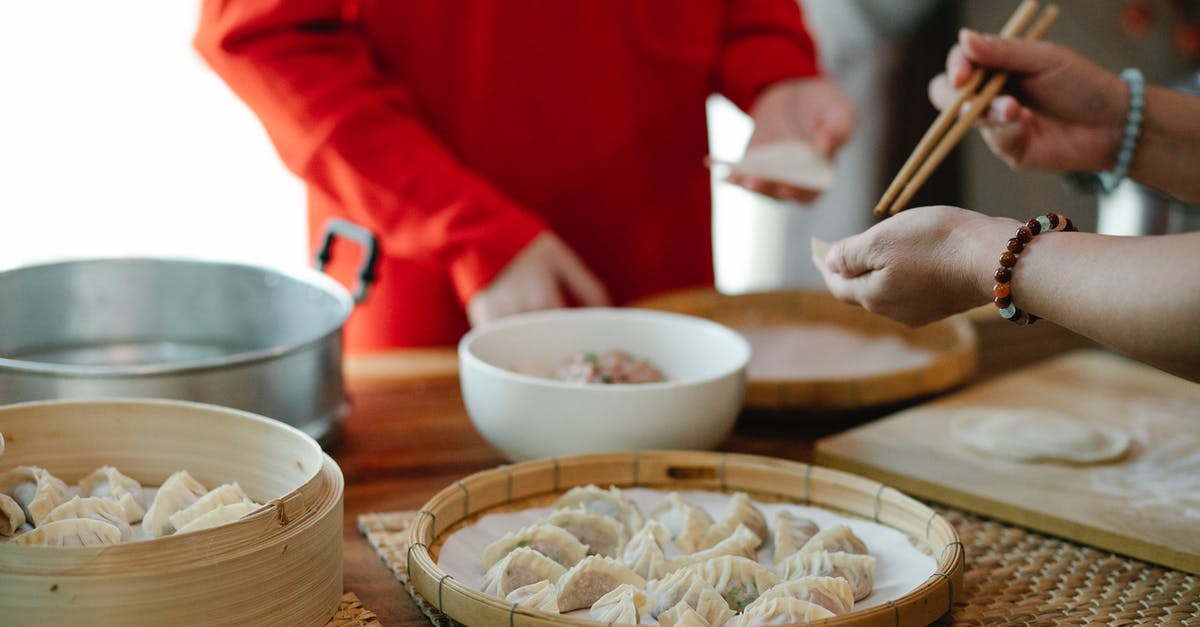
(521, 567)
(107, 482)
(592, 578)
(226, 494)
(780, 610)
(835, 539)
(35, 490)
(602, 535)
(686, 522)
(71, 532)
(740, 511)
(831, 593)
(741, 542)
(11, 515)
(222, 515)
(96, 508)
(177, 492)
(858, 570)
(623, 605)
(553, 542)
(612, 503)
(790, 533)
(739, 580)
(541, 596)
(688, 588)
(682, 615)
(644, 553)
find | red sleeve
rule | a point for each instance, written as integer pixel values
(306, 72)
(764, 41)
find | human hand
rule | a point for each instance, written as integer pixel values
(920, 265)
(812, 110)
(1066, 114)
(537, 278)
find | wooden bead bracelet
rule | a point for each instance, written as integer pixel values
(1002, 291)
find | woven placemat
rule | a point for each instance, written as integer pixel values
(351, 613)
(1012, 577)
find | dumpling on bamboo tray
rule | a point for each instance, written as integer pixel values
(683, 558)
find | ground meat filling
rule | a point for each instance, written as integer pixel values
(609, 367)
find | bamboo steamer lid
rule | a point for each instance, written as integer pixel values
(534, 481)
(952, 342)
(281, 564)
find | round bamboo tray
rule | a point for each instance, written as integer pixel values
(509, 486)
(281, 564)
(952, 341)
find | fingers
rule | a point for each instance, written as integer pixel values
(580, 283)
(958, 67)
(1013, 55)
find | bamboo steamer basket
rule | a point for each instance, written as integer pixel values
(952, 341)
(532, 483)
(281, 564)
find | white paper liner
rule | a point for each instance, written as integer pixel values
(900, 567)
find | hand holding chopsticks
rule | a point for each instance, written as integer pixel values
(954, 121)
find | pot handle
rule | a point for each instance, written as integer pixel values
(339, 227)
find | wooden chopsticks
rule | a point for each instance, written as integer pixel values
(952, 123)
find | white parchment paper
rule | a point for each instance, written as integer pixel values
(900, 567)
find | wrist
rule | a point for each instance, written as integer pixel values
(983, 238)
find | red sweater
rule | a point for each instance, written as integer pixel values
(457, 130)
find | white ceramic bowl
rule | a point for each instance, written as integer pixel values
(526, 416)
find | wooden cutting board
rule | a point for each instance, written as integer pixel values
(1145, 505)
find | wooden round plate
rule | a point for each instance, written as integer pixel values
(508, 486)
(952, 342)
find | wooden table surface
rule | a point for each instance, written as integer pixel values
(408, 436)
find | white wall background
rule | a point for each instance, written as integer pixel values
(116, 139)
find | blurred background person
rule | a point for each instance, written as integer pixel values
(515, 155)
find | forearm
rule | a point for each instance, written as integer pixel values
(1136, 295)
(1168, 151)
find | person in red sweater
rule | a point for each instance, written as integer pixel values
(511, 155)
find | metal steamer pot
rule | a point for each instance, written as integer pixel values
(247, 337)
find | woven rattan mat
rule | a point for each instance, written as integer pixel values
(351, 613)
(1012, 577)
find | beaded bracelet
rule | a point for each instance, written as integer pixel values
(1133, 124)
(1002, 291)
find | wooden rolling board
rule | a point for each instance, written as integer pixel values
(1145, 505)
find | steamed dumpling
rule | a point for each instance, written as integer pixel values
(71, 532)
(612, 503)
(741, 542)
(602, 535)
(780, 610)
(95, 508)
(623, 605)
(644, 553)
(688, 588)
(791, 532)
(686, 522)
(739, 580)
(553, 542)
(859, 570)
(11, 515)
(222, 515)
(835, 539)
(35, 490)
(740, 511)
(831, 593)
(682, 615)
(592, 578)
(541, 596)
(177, 492)
(226, 494)
(521, 567)
(107, 482)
